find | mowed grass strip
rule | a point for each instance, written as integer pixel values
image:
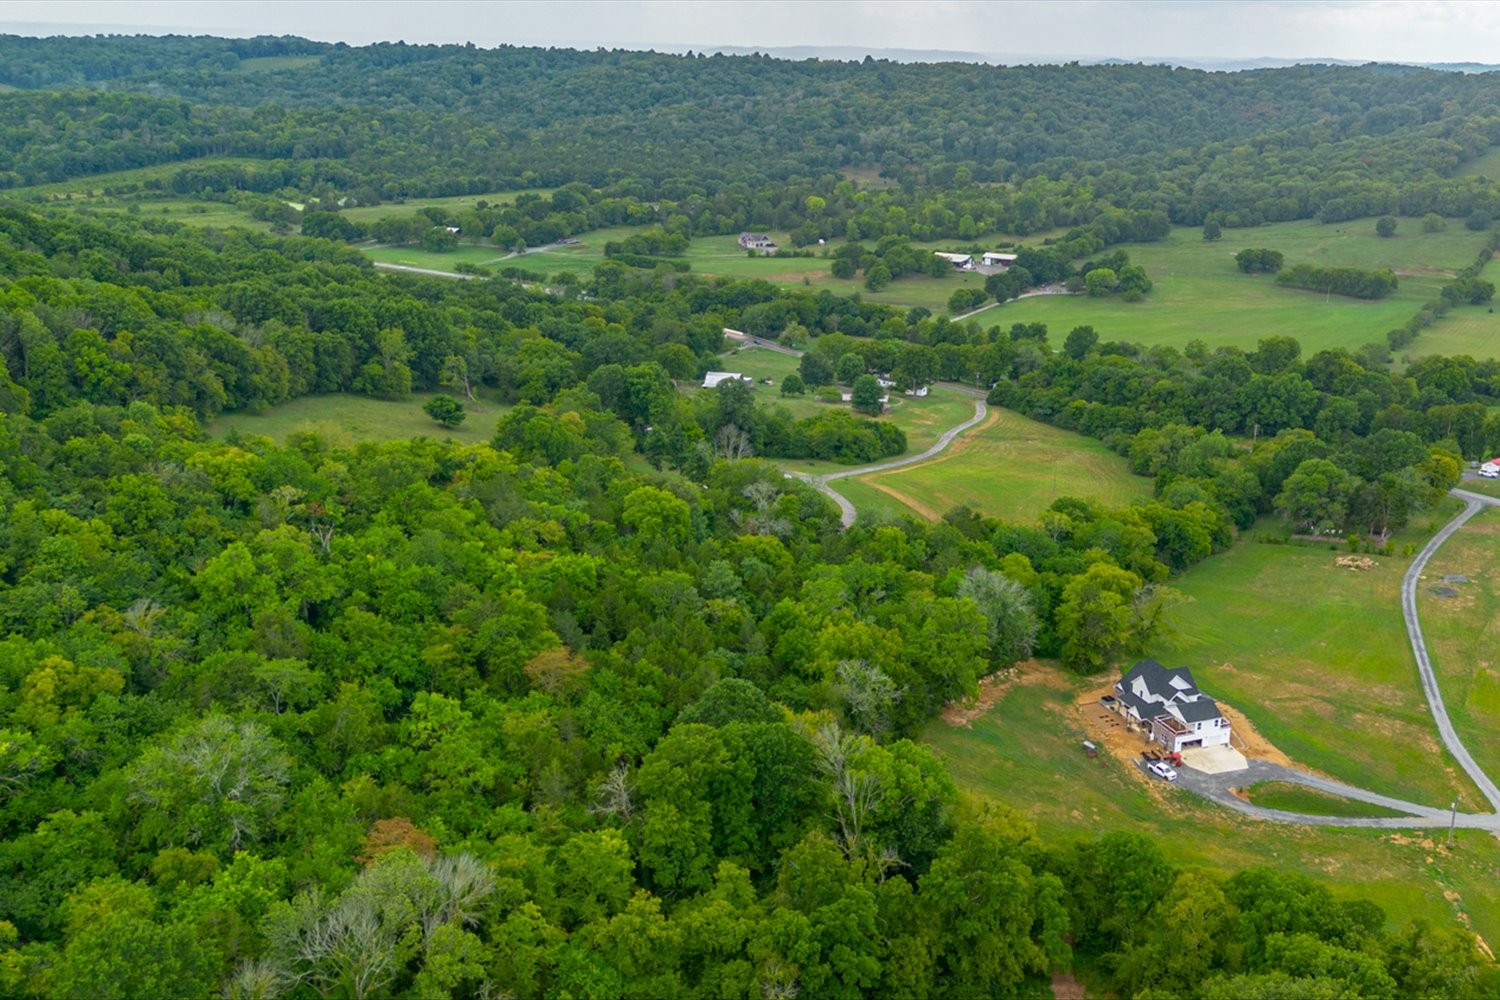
(1463, 633)
(343, 419)
(1026, 753)
(1317, 657)
(1200, 293)
(1471, 330)
(1011, 468)
(464, 253)
(1290, 797)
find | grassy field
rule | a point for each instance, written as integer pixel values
(92, 187)
(1025, 752)
(1011, 468)
(1471, 330)
(269, 64)
(721, 256)
(90, 190)
(1291, 797)
(1462, 633)
(1200, 293)
(345, 419)
(1317, 657)
(464, 253)
(1487, 165)
(369, 213)
(923, 419)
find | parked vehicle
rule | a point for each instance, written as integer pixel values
(1163, 770)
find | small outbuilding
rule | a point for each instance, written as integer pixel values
(962, 261)
(1001, 260)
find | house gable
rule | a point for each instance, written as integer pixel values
(1170, 705)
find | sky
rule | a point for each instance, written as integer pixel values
(1018, 30)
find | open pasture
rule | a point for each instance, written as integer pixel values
(92, 187)
(369, 213)
(1025, 752)
(1009, 467)
(1487, 165)
(1471, 330)
(347, 419)
(1200, 294)
(1462, 632)
(1289, 797)
(270, 64)
(1317, 657)
(465, 253)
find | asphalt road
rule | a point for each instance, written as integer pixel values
(1473, 504)
(1216, 786)
(847, 513)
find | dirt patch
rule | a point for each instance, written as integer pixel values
(1111, 730)
(1065, 987)
(993, 688)
(1355, 562)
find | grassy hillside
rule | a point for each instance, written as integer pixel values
(345, 419)
(1010, 467)
(1471, 330)
(1201, 294)
(1317, 657)
(1024, 752)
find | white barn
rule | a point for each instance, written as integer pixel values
(711, 380)
(1000, 260)
(962, 261)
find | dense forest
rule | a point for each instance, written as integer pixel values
(609, 706)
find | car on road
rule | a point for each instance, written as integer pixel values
(1162, 770)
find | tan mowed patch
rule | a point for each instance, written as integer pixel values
(993, 688)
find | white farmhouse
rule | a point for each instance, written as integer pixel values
(1170, 706)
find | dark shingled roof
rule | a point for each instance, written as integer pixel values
(1199, 711)
(1190, 702)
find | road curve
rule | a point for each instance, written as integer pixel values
(847, 513)
(430, 272)
(1473, 503)
(1217, 788)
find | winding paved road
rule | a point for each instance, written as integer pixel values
(1217, 786)
(1473, 504)
(847, 513)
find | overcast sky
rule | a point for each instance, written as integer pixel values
(1386, 30)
